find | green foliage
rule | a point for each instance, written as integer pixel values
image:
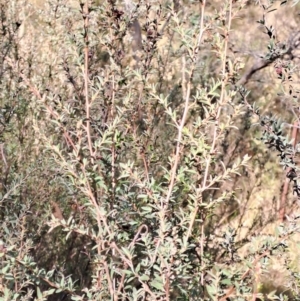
(122, 129)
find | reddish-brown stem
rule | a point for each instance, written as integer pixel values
(86, 76)
(186, 108)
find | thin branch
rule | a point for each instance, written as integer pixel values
(262, 63)
(186, 107)
(212, 151)
(86, 76)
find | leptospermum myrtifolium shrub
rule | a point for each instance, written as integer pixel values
(123, 126)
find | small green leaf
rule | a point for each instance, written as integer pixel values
(39, 293)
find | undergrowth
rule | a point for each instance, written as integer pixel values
(132, 148)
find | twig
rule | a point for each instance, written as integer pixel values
(86, 77)
(262, 63)
(214, 141)
(186, 107)
(3, 154)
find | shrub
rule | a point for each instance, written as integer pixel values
(124, 128)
